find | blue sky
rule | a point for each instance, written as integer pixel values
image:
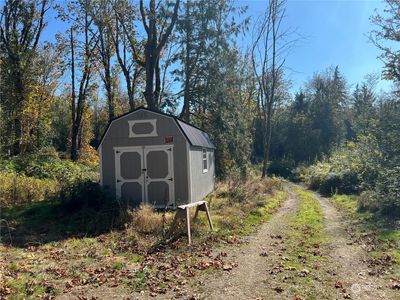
(336, 33)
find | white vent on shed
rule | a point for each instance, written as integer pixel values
(142, 128)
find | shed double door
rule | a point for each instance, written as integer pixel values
(145, 175)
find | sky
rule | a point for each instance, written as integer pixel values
(333, 33)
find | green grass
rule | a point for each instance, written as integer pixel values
(305, 238)
(387, 236)
(263, 213)
(236, 222)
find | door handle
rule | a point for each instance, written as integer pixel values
(171, 179)
(118, 180)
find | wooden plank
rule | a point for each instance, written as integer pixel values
(188, 225)
(191, 205)
(208, 217)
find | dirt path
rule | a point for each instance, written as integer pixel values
(347, 258)
(251, 279)
(260, 267)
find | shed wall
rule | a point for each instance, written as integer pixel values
(201, 183)
(118, 136)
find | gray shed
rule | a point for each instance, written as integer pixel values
(155, 158)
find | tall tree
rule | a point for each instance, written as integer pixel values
(101, 12)
(157, 38)
(268, 67)
(80, 49)
(21, 25)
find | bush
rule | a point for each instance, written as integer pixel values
(387, 191)
(82, 194)
(46, 165)
(44, 176)
(281, 168)
(345, 182)
(347, 170)
(16, 189)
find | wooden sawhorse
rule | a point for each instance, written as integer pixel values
(183, 212)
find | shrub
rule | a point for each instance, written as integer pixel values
(281, 168)
(145, 220)
(387, 191)
(16, 189)
(350, 169)
(345, 182)
(43, 176)
(81, 194)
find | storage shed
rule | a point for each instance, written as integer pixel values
(156, 158)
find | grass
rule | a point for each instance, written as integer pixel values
(304, 240)
(379, 232)
(237, 209)
(51, 251)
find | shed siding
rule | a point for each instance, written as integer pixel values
(118, 136)
(201, 183)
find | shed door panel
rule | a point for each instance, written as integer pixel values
(131, 165)
(159, 175)
(132, 193)
(129, 175)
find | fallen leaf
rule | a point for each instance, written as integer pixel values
(338, 284)
(317, 266)
(227, 267)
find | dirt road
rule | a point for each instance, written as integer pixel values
(263, 269)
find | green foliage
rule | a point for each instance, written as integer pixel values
(350, 169)
(387, 191)
(281, 167)
(46, 165)
(31, 178)
(16, 189)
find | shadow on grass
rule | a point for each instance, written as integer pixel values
(54, 220)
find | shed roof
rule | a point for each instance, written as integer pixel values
(195, 136)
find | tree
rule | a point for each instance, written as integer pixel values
(219, 82)
(101, 12)
(156, 40)
(268, 68)
(79, 51)
(21, 25)
(386, 37)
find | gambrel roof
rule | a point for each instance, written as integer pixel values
(194, 135)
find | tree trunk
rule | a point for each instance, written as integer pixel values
(267, 142)
(186, 94)
(157, 96)
(74, 130)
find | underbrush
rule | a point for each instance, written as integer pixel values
(43, 176)
(237, 206)
(358, 168)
